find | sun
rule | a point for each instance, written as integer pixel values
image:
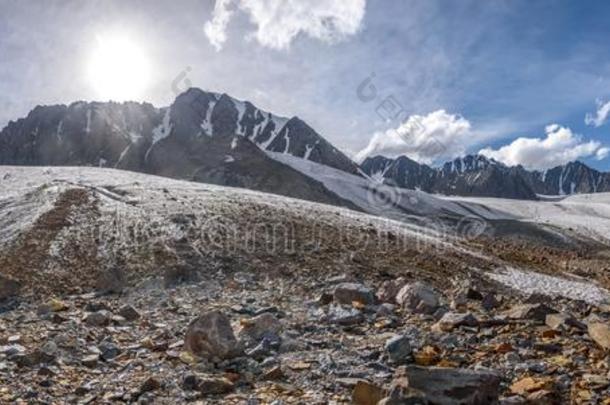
(118, 69)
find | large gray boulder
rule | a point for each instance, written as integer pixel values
(419, 298)
(211, 336)
(450, 386)
(346, 293)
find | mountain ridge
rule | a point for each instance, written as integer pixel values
(201, 136)
(477, 175)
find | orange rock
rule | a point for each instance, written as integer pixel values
(528, 385)
(504, 348)
(427, 356)
(366, 393)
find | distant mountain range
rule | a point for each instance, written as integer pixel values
(214, 138)
(476, 175)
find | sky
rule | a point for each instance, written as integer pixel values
(523, 82)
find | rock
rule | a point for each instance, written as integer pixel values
(346, 293)
(57, 305)
(595, 382)
(255, 329)
(344, 316)
(389, 289)
(473, 294)
(32, 359)
(211, 335)
(150, 384)
(543, 397)
(325, 298)
(452, 320)
(600, 333)
(94, 306)
(129, 313)
(404, 397)
(108, 350)
(398, 349)
(90, 361)
(385, 310)
(274, 373)
(365, 393)
(99, 318)
(490, 302)
(527, 385)
(11, 350)
(13, 339)
(459, 302)
(427, 356)
(262, 350)
(8, 288)
(207, 385)
(536, 312)
(418, 298)
(451, 386)
(563, 321)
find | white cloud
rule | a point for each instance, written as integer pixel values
(601, 116)
(279, 22)
(216, 30)
(560, 146)
(426, 139)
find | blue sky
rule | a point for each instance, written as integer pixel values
(499, 70)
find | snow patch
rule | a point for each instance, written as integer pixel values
(88, 127)
(160, 132)
(530, 282)
(163, 130)
(206, 124)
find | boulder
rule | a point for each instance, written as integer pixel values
(563, 321)
(129, 313)
(452, 320)
(389, 289)
(527, 385)
(99, 318)
(344, 316)
(419, 298)
(346, 293)
(536, 312)
(398, 349)
(211, 335)
(454, 386)
(254, 330)
(600, 333)
(366, 393)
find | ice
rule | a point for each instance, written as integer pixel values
(530, 282)
(587, 214)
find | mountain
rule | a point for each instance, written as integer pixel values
(473, 175)
(202, 136)
(571, 178)
(476, 175)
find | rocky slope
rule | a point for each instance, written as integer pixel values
(202, 136)
(110, 276)
(476, 175)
